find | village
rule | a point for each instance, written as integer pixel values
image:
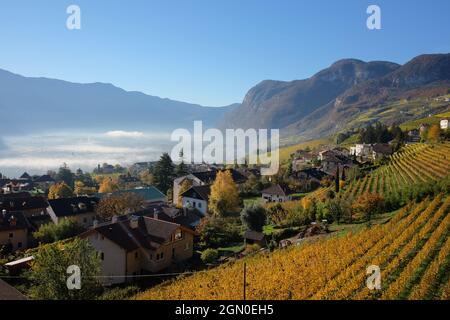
(163, 217)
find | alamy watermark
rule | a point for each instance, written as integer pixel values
(73, 21)
(73, 281)
(238, 146)
(373, 281)
(374, 20)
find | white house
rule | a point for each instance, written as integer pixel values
(196, 197)
(276, 193)
(361, 150)
(444, 124)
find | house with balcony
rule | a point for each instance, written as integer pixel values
(130, 246)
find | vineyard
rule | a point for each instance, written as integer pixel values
(418, 163)
(412, 251)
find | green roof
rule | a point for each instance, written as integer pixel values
(149, 193)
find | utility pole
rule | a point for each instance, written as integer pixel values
(245, 279)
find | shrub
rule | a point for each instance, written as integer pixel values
(209, 255)
(216, 232)
(51, 232)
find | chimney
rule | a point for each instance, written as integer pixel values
(114, 219)
(13, 221)
(134, 222)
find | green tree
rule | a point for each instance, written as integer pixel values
(254, 217)
(336, 180)
(181, 169)
(164, 173)
(64, 174)
(48, 275)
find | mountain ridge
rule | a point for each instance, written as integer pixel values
(37, 103)
(339, 93)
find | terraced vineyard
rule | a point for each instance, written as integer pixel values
(412, 251)
(412, 165)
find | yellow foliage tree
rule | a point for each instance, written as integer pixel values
(185, 186)
(108, 185)
(60, 190)
(306, 203)
(434, 133)
(82, 189)
(224, 197)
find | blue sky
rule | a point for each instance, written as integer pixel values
(210, 51)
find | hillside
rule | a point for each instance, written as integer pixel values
(414, 85)
(347, 95)
(412, 248)
(279, 104)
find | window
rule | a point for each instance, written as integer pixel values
(11, 235)
(173, 252)
(84, 220)
(162, 255)
(136, 254)
(178, 235)
(157, 256)
(199, 205)
(186, 247)
(19, 245)
(102, 256)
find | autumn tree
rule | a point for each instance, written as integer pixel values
(367, 205)
(164, 173)
(120, 204)
(82, 189)
(434, 133)
(146, 177)
(60, 190)
(185, 186)
(224, 197)
(108, 185)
